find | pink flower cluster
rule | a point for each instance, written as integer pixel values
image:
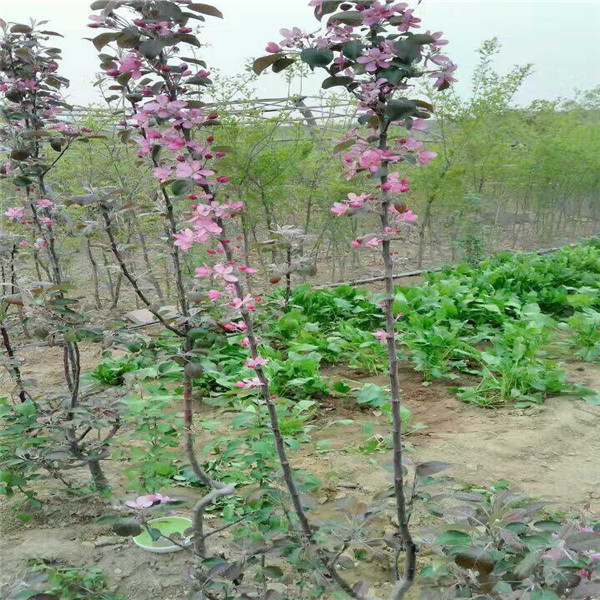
(142, 502)
(205, 225)
(395, 185)
(249, 384)
(376, 56)
(350, 206)
(254, 363)
(444, 75)
(363, 157)
(378, 12)
(38, 244)
(367, 241)
(15, 213)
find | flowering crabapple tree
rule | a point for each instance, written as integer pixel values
(36, 138)
(141, 54)
(374, 50)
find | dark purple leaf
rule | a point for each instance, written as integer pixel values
(206, 9)
(336, 81)
(431, 468)
(282, 63)
(264, 62)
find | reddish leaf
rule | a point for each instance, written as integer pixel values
(264, 62)
(206, 9)
(282, 63)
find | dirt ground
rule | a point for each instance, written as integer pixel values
(550, 451)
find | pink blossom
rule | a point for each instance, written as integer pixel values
(145, 146)
(97, 21)
(444, 77)
(213, 294)
(438, 39)
(381, 335)
(130, 63)
(342, 209)
(16, 213)
(185, 239)
(419, 124)
(340, 61)
(322, 43)
(247, 270)
(247, 302)
(425, 157)
(371, 159)
(46, 221)
(379, 11)
(291, 37)
(395, 185)
(375, 59)
(249, 384)
(245, 342)
(162, 173)
(409, 21)
(225, 272)
(255, 363)
(173, 142)
(231, 207)
(407, 215)
(24, 244)
(142, 502)
(142, 118)
(203, 272)
(44, 203)
(373, 242)
(162, 28)
(40, 243)
(153, 134)
(160, 498)
(233, 326)
(201, 211)
(65, 128)
(410, 144)
(439, 59)
(194, 169)
(205, 227)
(273, 48)
(28, 84)
(164, 107)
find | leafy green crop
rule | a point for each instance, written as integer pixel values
(68, 584)
(112, 371)
(584, 330)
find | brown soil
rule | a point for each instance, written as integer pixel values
(548, 451)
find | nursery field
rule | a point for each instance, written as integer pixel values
(218, 380)
(515, 334)
(548, 452)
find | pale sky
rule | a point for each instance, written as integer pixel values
(561, 38)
